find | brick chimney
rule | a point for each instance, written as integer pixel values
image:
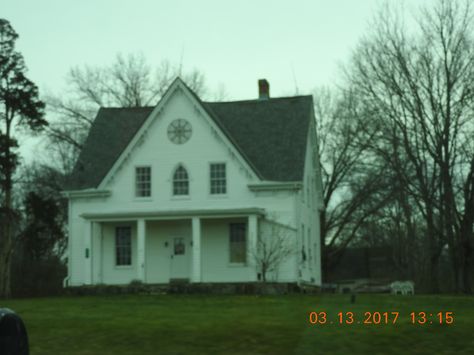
(263, 89)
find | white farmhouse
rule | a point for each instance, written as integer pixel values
(184, 190)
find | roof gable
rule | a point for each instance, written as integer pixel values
(110, 134)
(269, 134)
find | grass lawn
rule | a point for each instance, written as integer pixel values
(200, 324)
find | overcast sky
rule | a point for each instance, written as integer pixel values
(232, 43)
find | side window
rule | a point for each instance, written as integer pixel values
(180, 182)
(123, 246)
(143, 181)
(218, 179)
(238, 243)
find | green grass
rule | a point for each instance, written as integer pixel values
(179, 324)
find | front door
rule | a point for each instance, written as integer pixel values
(179, 258)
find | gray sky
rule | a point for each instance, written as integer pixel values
(232, 43)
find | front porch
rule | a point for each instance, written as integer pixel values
(163, 247)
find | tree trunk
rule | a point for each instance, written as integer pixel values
(5, 255)
(466, 232)
(433, 274)
(433, 254)
(466, 271)
(6, 237)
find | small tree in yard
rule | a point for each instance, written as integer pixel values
(20, 106)
(275, 244)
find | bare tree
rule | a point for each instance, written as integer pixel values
(128, 82)
(420, 88)
(275, 244)
(354, 186)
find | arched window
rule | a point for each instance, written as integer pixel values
(180, 181)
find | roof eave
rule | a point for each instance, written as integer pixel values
(275, 185)
(176, 214)
(86, 193)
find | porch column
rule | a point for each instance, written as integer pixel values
(96, 246)
(87, 253)
(252, 228)
(141, 249)
(196, 263)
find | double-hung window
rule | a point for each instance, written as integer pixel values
(238, 243)
(218, 179)
(123, 246)
(143, 181)
(180, 182)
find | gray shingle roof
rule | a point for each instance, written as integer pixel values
(270, 134)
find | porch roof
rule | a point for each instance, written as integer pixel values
(174, 214)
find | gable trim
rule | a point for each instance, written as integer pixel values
(314, 149)
(231, 141)
(219, 130)
(140, 136)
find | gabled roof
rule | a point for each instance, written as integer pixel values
(270, 135)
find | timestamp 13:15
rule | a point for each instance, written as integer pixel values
(425, 317)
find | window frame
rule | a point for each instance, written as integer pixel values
(116, 248)
(141, 197)
(181, 243)
(210, 181)
(243, 226)
(173, 181)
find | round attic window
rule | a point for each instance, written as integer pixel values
(179, 131)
